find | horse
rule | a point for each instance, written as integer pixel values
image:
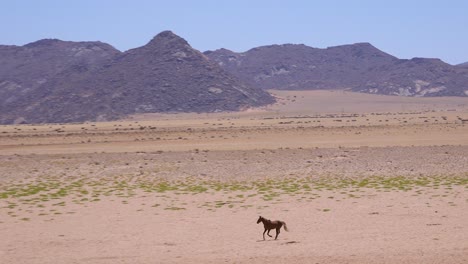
(268, 225)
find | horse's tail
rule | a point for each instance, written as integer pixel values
(285, 227)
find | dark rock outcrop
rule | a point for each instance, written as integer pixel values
(165, 75)
(358, 67)
(23, 69)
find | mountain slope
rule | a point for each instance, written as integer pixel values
(359, 67)
(301, 67)
(165, 75)
(25, 68)
(417, 77)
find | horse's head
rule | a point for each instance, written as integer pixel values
(259, 219)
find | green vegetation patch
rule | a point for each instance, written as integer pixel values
(48, 191)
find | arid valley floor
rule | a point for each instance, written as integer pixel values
(357, 178)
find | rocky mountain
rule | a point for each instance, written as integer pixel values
(358, 67)
(463, 70)
(165, 75)
(25, 68)
(417, 77)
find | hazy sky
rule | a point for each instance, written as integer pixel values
(403, 28)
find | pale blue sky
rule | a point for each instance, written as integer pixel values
(405, 29)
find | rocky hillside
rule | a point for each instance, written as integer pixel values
(417, 77)
(25, 68)
(358, 67)
(165, 75)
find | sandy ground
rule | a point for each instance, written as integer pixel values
(357, 178)
(395, 227)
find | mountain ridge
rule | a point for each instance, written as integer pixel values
(165, 75)
(52, 80)
(358, 67)
(26, 68)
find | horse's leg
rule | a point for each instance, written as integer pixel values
(277, 232)
(264, 234)
(268, 233)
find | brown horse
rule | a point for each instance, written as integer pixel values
(268, 225)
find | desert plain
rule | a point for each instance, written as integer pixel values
(358, 178)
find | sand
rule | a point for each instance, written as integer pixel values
(357, 178)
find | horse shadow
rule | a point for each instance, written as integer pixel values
(279, 240)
